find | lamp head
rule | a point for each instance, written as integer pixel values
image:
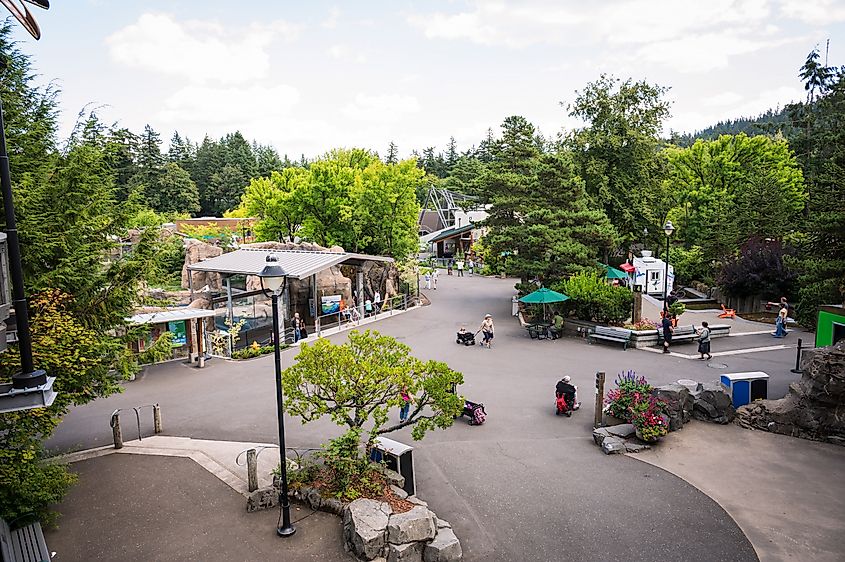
(272, 275)
(668, 228)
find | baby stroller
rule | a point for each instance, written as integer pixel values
(475, 412)
(466, 338)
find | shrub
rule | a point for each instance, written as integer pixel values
(758, 269)
(629, 389)
(690, 265)
(255, 350)
(347, 474)
(160, 350)
(592, 299)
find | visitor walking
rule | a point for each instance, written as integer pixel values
(487, 330)
(406, 404)
(428, 280)
(704, 341)
(297, 327)
(377, 302)
(434, 276)
(780, 321)
(471, 265)
(460, 265)
(668, 329)
(449, 267)
(368, 307)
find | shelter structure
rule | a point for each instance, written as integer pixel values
(309, 270)
(188, 326)
(453, 241)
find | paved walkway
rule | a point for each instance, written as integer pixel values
(152, 508)
(527, 484)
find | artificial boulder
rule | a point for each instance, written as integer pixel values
(406, 552)
(444, 548)
(412, 526)
(195, 252)
(713, 404)
(814, 406)
(679, 404)
(365, 527)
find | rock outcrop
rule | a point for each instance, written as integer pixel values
(713, 404)
(197, 251)
(679, 404)
(814, 407)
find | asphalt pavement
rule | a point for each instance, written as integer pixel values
(527, 484)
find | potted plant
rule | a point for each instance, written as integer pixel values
(647, 415)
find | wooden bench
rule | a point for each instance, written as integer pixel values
(680, 335)
(606, 333)
(25, 544)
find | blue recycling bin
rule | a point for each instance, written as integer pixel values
(745, 388)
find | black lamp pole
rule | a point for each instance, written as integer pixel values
(29, 377)
(668, 228)
(286, 529)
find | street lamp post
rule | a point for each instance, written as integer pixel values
(668, 228)
(274, 278)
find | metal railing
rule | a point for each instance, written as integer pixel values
(117, 433)
(352, 316)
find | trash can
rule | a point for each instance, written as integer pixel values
(397, 457)
(745, 388)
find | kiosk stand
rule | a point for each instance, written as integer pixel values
(397, 457)
(745, 388)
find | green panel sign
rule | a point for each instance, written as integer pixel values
(180, 337)
(829, 326)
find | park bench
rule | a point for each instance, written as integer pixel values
(606, 333)
(24, 544)
(680, 335)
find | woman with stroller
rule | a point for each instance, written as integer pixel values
(486, 330)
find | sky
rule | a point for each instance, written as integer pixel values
(306, 77)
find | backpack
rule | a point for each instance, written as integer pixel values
(478, 416)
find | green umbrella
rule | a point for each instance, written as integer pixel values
(544, 296)
(613, 273)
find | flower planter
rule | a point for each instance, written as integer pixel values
(641, 438)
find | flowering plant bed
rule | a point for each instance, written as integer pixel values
(632, 401)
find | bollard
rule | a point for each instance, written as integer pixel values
(115, 430)
(157, 418)
(797, 368)
(599, 398)
(252, 469)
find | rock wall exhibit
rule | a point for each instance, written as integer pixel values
(814, 408)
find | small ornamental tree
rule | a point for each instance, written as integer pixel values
(359, 382)
(758, 269)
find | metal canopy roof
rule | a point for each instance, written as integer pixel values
(172, 315)
(452, 232)
(299, 264)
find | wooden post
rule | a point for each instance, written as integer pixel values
(252, 469)
(115, 430)
(157, 418)
(599, 398)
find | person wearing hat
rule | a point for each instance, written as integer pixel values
(487, 330)
(566, 389)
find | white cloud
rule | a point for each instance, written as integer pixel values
(723, 99)
(228, 106)
(381, 107)
(702, 53)
(344, 53)
(199, 51)
(734, 107)
(818, 12)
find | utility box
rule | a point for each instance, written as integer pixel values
(745, 388)
(397, 457)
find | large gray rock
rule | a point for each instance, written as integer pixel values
(679, 404)
(444, 548)
(714, 404)
(263, 498)
(414, 525)
(624, 430)
(394, 478)
(813, 408)
(407, 552)
(613, 445)
(365, 527)
(600, 434)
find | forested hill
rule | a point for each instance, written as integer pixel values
(766, 123)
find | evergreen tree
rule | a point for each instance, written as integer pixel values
(267, 160)
(225, 190)
(392, 154)
(173, 192)
(210, 159)
(451, 154)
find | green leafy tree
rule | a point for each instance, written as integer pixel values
(357, 384)
(276, 202)
(736, 187)
(618, 152)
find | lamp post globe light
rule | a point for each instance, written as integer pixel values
(274, 278)
(668, 229)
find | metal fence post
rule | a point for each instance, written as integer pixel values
(797, 369)
(599, 398)
(252, 469)
(157, 418)
(115, 430)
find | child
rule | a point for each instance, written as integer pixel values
(406, 404)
